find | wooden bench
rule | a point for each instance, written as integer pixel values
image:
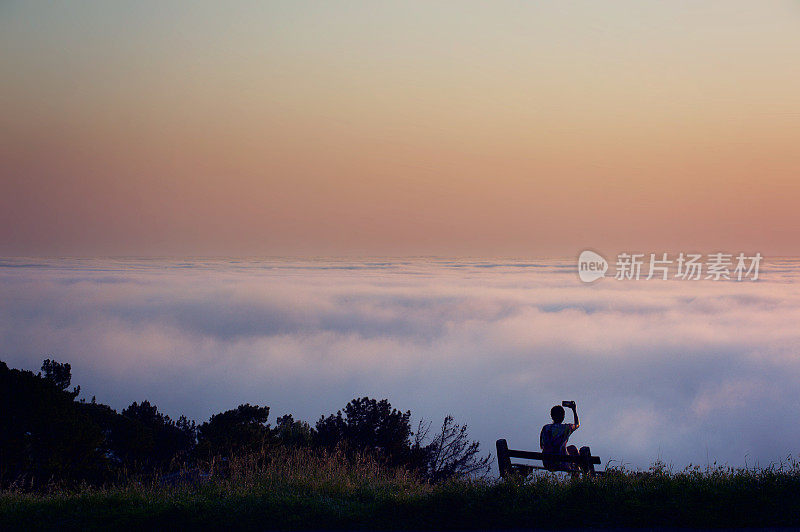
(504, 455)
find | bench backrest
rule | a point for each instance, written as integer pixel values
(504, 456)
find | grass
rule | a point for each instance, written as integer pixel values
(306, 490)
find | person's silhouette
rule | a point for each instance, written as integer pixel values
(554, 437)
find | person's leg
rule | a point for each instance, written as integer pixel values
(586, 453)
(572, 451)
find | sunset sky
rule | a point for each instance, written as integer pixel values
(271, 155)
(372, 128)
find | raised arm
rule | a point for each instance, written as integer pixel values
(575, 423)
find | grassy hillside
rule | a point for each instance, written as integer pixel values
(301, 489)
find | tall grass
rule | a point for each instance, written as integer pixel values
(313, 470)
(297, 489)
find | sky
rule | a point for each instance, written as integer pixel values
(524, 129)
(689, 372)
(352, 137)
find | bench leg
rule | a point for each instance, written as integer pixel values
(503, 460)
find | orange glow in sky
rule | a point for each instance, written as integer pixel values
(364, 128)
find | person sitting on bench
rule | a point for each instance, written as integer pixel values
(554, 436)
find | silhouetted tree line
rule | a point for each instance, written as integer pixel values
(47, 435)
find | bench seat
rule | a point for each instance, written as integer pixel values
(504, 455)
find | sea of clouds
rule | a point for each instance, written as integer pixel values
(689, 372)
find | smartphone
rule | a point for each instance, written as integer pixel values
(568, 404)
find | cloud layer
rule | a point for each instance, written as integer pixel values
(691, 372)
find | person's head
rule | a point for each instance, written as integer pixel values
(557, 413)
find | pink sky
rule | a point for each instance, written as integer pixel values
(275, 128)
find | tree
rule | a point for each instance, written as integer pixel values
(292, 433)
(44, 433)
(451, 453)
(60, 374)
(368, 424)
(168, 439)
(241, 429)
